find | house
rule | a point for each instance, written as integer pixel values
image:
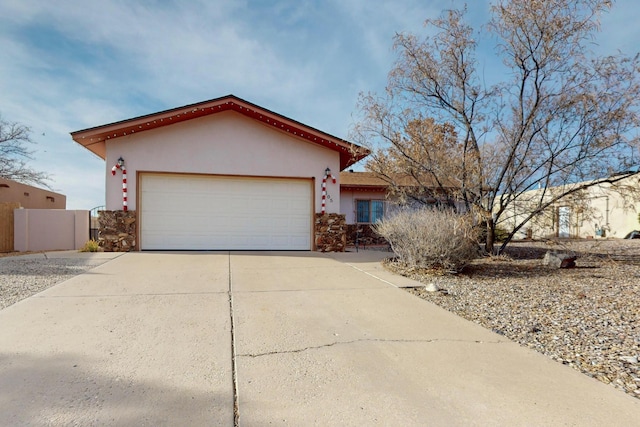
(223, 174)
(365, 198)
(15, 195)
(30, 197)
(363, 201)
(598, 211)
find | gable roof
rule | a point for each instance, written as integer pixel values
(372, 181)
(94, 139)
(361, 181)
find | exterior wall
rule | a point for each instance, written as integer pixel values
(30, 197)
(348, 201)
(330, 233)
(600, 212)
(610, 218)
(50, 229)
(225, 143)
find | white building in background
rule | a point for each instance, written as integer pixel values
(604, 210)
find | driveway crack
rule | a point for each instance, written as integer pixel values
(234, 365)
(381, 340)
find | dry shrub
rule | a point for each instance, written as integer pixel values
(429, 238)
(90, 246)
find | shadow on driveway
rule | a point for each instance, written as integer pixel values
(66, 389)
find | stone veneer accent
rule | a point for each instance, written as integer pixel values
(117, 231)
(330, 232)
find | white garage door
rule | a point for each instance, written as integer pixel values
(224, 213)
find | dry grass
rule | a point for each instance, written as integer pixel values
(430, 238)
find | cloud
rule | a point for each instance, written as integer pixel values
(82, 63)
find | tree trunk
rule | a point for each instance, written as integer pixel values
(490, 236)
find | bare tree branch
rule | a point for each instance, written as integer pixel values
(562, 118)
(14, 154)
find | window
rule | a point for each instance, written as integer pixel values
(369, 211)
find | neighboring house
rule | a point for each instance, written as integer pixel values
(15, 195)
(221, 174)
(30, 197)
(598, 211)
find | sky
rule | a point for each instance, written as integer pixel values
(68, 65)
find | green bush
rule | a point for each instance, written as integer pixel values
(429, 238)
(90, 246)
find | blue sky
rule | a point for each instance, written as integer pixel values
(72, 64)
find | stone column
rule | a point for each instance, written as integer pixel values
(330, 232)
(117, 231)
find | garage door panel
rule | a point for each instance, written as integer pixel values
(224, 213)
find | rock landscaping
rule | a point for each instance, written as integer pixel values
(586, 317)
(22, 277)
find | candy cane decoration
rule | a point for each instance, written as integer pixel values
(327, 174)
(120, 165)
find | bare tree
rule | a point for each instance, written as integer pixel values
(14, 153)
(561, 118)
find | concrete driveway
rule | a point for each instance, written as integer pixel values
(213, 339)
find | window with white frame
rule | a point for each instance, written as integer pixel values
(369, 211)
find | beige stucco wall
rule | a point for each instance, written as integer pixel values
(30, 197)
(600, 208)
(348, 201)
(225, 143)
(50, 229)
(608, 210)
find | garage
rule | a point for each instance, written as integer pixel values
(222, 174)
(204, 212)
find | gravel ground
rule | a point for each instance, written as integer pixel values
(23, 276)
(587, 317)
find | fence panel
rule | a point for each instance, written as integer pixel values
(6, 225)
(50, 229)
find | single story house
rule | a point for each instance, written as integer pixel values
(598, 211)
(223, 174)
(30, 197)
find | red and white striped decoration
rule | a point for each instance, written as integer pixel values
(327, 174)
(120, 165)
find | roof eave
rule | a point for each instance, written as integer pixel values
(94, 139)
